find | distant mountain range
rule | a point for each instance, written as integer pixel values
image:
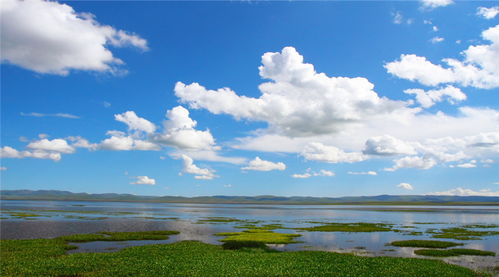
(262, 199)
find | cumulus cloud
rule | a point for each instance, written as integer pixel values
(437, 39)
(135, 123)
(119, 141)
(372, 173)
(479, 67)
(143, 180)
(387, 145)
(405, 186)
(470, 164)
(55, 145)
(428, 98)
(466, 192)
(63, 115)
(413, 162)
(200, 173)
(179, 132)
(431, 4)
(309, 173)
(488, 13)
(9, 152)
(297, 100)
(258, 164)
(317, 151)
(415, 68)
(40, 36)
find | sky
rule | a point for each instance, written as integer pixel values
(330, 98)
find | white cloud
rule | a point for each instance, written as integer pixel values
(471, 164)
(119, 141)
(431, 4)
(413, 162)
(309, 173)
(387, 145)
(179, 132)
(143, 180)
(41, 36)
(437, 39)
(415, 68)
(434, 28)
(135, 123)
(258, 164)
(479, 67)
(466, 192)
(488, 13)
(9, 152)
(3, 168)
(200, 173)
(405, 186)
(63, 115)
(55, 145)
(430, 97)
(372, 173)
(398, 18)
(317, 151)
(209, 155)
(297, 101)
(301, 176)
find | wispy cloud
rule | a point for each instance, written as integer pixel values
(64, 115)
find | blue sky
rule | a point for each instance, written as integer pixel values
(250, 98)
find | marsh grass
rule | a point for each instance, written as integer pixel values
(119, 236)
(45, 257)
(459, 233)
(424, 243)
(453, 252)
(257, 235)
(349, 227)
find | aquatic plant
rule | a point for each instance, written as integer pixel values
(424, 243)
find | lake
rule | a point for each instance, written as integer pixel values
(48, 219)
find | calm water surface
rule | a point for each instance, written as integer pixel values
(58, 218)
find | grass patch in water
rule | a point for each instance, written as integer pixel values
(424, 243)
(119, 236)
(349, 227)
(45, 257)
(481, 226)
(257, 235)
(453, 252)
(262, 227)
(460, 233)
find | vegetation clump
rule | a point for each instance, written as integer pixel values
(46, 257)
(453, 252)
(257, 235)
(119, 236)
(424, 243)
(471, 226)
(239, 244)
(460, 233)
(350, 227)
(262, 227)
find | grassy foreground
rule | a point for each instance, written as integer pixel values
(46, 257)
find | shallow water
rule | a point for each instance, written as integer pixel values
(58, 218)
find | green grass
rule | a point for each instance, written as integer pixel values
(264, 236)
(262, 227)
(424, 243)
(349, 227)
(45, 257)
(119, 236)
(460, 233)
(453, 252)
(481, 226)
(22, 215)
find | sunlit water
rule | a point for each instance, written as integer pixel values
(75, 217)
